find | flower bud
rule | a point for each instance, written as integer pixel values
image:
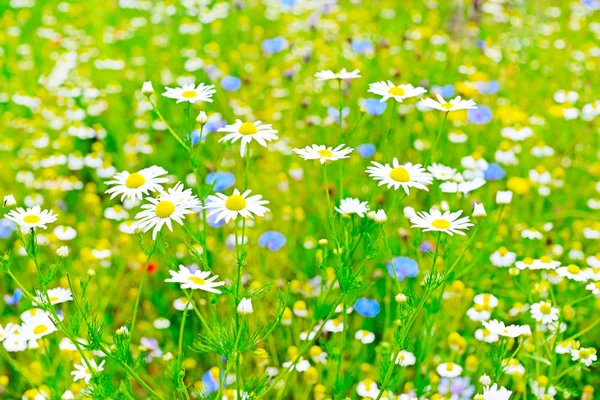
(202, 118)
(147, 88)
(245, 306)
(62, 251)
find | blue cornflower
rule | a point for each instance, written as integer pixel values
(480, 115)
(334, 113)
(7, 227)
(444, 91)
(426, 247)
(366, 150)
(272, 240)
(231, 83)
(405, 268)
(222, 180)
(274, 45)
(367, 307)
(362, 46)
(373, 106)
(210, 382)
(494, 172)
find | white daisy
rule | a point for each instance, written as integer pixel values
(31, 218)
(449, 370)
(38, 324)
(572, 272)
(503, 258)
(454, 105)
(191, 93)
(593, 287)
(137, 184)
(544, 312)
(586, 355)
(364, 336)
(388, 90)
(442, 172)
(323, 153)
(82, 371)
(400, 175)
(197, 280)
(171, 205)
(352, 206)
(448, 222)
(405, 358)
(57, 295)
(496, 393)
(248, 131)
(498, 328)
(326, 75)
(229, 207)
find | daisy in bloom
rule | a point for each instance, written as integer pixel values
(133, 186)
(448, 222)
(449, 370)
(171, 205)
(544, 312)
(498, 328)
(442, 172)
(197, 280)
(405, 358)
(229, 207)
(388, 90)
(57, 295)
(350, 206)
(326, 75)
(82, 371)
(37, 324)
(454, 105)
(248, 131)
(400, 175)
(594, 287)
(503, 258)
(365, 337)
(586, 355)
(191, 93)
(496, 393)
(32, 218)
(323, 153)
(572, 272)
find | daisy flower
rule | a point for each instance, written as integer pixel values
(544, 312)
(37, 324)
(448, 222)
(503, 258)
(364, 336)
(496, 393)
(191, 93)
(197, 280)
(171, 205)
(586, 355)
(229, 207)
(326, 75)
(442, 172)
(594, 287)
(248, 131)
(454, 105)
(137, 184)
(57, 295)
(449, 370)
(32, 218)
(350, 206)
(498, 328)
(323, 153)
(388, 90)
(572, 272)
(82, 371)
(405, 358)
(400, 175)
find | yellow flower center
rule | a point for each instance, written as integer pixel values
(164, 209)
(31, 219)
(528, 260)
(134, 181)
(449, 366)
(546, 259)
(53, 299)
(38, 330)
(584, 353)
(189, 94)
(503, 251)
(325, 153)
(248, 128)
(447, 106)
(197, 280)
(545, 308)
(396, 91)
(400, 174)
(573, 269)
(440, 224)
(235, 202)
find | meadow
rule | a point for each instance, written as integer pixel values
(300, 199)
